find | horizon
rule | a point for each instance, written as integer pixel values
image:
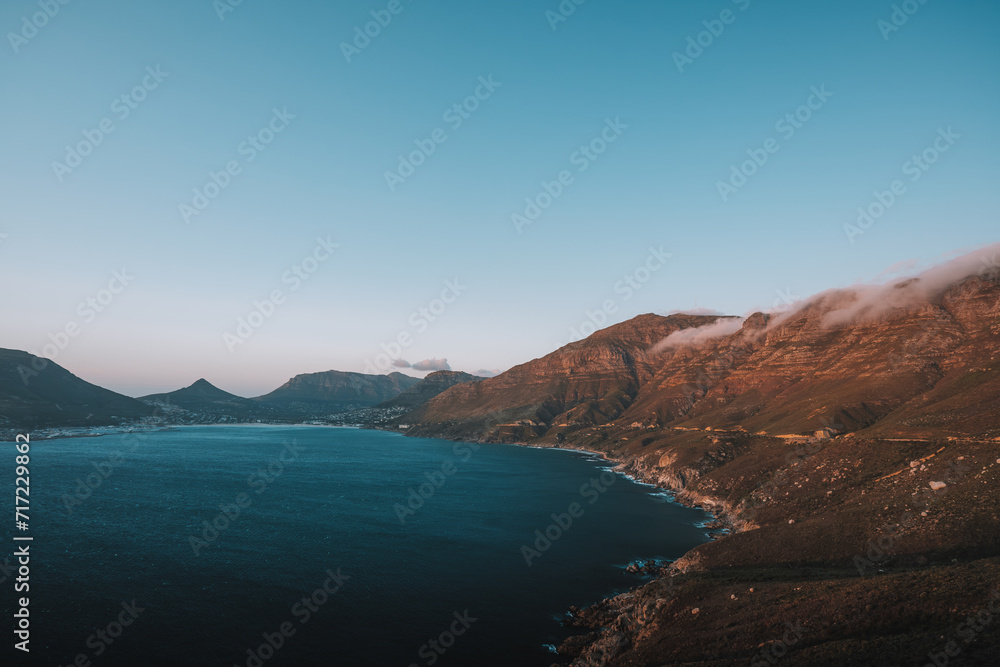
(957, 267)
(340, 198)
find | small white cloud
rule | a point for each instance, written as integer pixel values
(695, 336)
(431, 365)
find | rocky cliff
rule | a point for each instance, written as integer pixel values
(851, 445)
(911, 367)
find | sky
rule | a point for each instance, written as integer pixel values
(245, 192)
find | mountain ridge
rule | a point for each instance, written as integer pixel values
(852, 460)
(788, 375)
(37, 392)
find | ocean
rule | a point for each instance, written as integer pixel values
(257, 546)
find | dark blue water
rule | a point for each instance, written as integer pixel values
(323, 513)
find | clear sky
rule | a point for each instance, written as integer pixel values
(309, 129)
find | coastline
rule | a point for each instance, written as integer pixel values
(606, 614)
(797, 519)
(714, 507)
(788, 543)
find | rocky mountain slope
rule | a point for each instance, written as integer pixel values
(851, 445)
(590, 381)
(912, 369)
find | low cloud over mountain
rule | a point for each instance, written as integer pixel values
(425, 365)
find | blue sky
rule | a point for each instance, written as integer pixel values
(343, 125)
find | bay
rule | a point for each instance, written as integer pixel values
(224, 535)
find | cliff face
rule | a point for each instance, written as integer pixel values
(927, 363)
(336, 390)
(589, 381)
(852, 446)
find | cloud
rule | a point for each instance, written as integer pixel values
(425, 365)
(866, 302)
(483, 373)
(431, 365)
(695, 336)
(898, 269)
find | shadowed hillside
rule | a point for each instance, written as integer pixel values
(37, 392)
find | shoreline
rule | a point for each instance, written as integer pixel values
(714, 507)
(637, 570)
(777, 549)
(721, 520)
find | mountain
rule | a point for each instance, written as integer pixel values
(925, 362)
(204, 397)
(428, 388)
(589, 381)
(849, 446)
(36, 392)
(335, 391)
